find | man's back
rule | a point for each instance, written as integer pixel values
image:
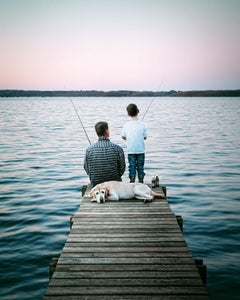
(104, 161)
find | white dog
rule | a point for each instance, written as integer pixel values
(116, 190)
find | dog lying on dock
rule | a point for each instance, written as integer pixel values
(116, 190)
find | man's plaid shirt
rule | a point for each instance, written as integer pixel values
(104, 161)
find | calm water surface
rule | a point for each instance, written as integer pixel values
(193, 146)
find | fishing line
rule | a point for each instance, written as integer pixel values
(80, 120)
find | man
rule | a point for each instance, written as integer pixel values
(104, 160)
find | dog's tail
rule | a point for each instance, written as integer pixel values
(157, 195)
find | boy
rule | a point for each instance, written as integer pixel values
(135, 132)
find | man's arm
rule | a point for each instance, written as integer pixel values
(122, 164)
(86, 164)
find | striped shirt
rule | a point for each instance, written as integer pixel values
(104, 161)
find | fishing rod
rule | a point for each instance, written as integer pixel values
(150, 104)
(80, 120)
(148, 108)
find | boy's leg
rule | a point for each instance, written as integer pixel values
(132, 167)
(140, 166)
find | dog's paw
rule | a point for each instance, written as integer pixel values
(147, 200)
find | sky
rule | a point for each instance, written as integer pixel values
(119, 44)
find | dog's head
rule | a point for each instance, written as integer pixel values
(99, 193)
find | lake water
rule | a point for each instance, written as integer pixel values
(193, 146)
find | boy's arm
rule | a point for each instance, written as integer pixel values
(123, 133)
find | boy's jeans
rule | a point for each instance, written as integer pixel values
(136, 163)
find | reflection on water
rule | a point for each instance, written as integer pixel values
(193, 146)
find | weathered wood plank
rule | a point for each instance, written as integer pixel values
(190, 282)
(130, 239)
(117, 228)
(124, 254)
(127, 268)
(191, 273)
(96, 223)
(105, 208)
(127, 297)
(124, 215)
(143, 249)
(123, 290)
(86, 204)
(143, 221)
(123, 244)
(126, 234)
(126, 260)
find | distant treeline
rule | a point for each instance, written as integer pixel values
(121, 93)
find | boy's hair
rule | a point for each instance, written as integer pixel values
(132, 110)
(101, 128)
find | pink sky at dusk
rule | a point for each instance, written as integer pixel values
(120, 44)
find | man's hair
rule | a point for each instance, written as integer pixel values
(132, 110)
(101, 128)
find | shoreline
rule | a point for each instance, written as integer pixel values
(118, 93)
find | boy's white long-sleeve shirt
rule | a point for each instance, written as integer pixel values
(135, 131)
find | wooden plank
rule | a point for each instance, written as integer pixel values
(165, 274)
(124, 228)
(111, 254)
(129, 268)
(126, 297)
(143, 249)
(143, 221)
(132, 281)
(125, 261)
(130, 239)
(126, 290)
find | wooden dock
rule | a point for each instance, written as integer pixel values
(126, 249)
